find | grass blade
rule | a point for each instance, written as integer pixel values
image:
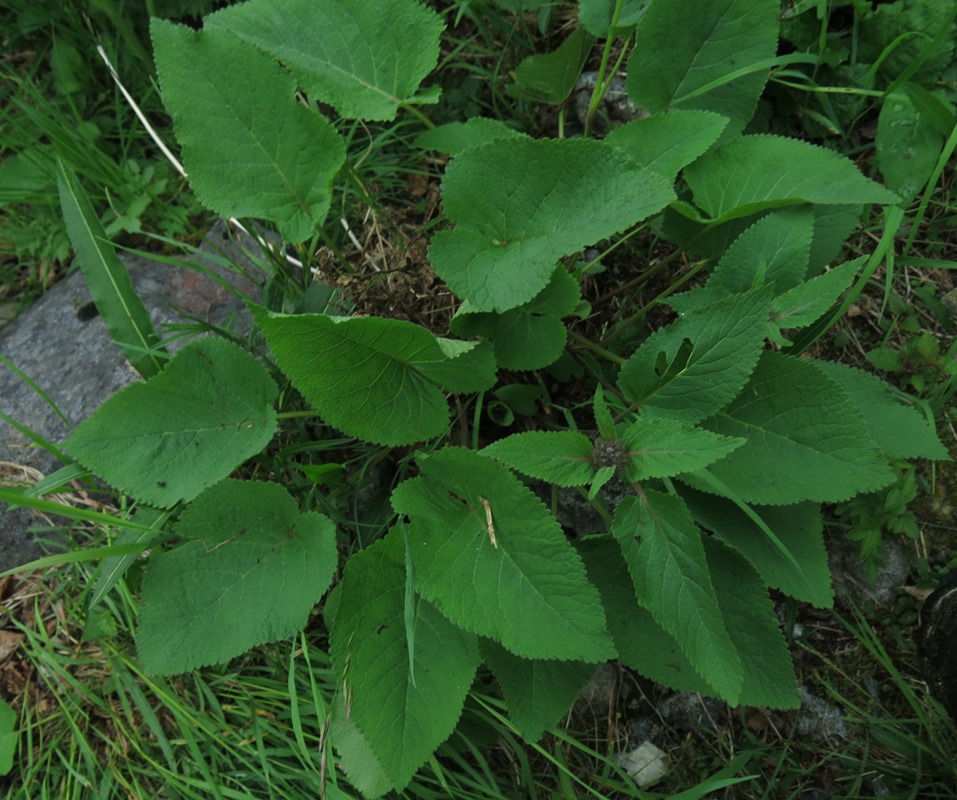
(122, 310)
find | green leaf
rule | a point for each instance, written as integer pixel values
(551, 77)
(559, 457)
(166, 440)
(8, 737)
(402, 720)
(805, 441)
(250, 572)
(695, 366)
(749, 617)
(539, 200)
(491, 557)
(658, 448)
(531, 336)
(897, 428)
(538, 693)
(804, 304)
(603, 419)
(123, 313)
(907, 146)
(466, 366)
(667, 143)
(752, 173)
(694, 55)
(799, 528)
(666, 559)
(641, 642)
(776, 247)
(377, 379)
(249, 147)
(454, 137)
(596, 16)
(364, 58)
(358, 761)
(886, 38)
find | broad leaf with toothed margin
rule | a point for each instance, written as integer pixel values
(757, 172)
(378, 379)
(166, 440)
(668, 567)
(531, 336)
(402, 713)
(641, 642)
(666, 143)
(687, 54)
(493, 559)
(363, 58)
(250, 570)
(805, 439)
(749, 618)
(520, 205)
(538, 693)
(251, 150)
(695, 366)
(799, 529)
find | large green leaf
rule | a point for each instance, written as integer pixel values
(364, 58)
(695, 366)
(538, 693)
(800, 530)
(250, 571)
(249, 147)
(895, 426)
(752, 173)
(377, 379)
(806, 303)
(519, 205)
(641, 642)
(166, 440)
(805, 440)
(774, 251)
(596, 16)
(403, 713)
(550, 78)
(454, 137)
(123, 312)
(907, 145)
(667, 143)
(666, 559)
(531, 336)
(754, 629)
(494, 560)
(695, 55)
(560, 457)
(658, 448)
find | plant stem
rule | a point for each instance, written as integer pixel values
(601, 85)
(596, 348)
(296, 414)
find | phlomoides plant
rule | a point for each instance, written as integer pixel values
(728, 438)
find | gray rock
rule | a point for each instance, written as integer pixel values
(819, 719)
(63, 346)
(851, 582)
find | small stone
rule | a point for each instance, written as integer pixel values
(819, 719)
(646, 764)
